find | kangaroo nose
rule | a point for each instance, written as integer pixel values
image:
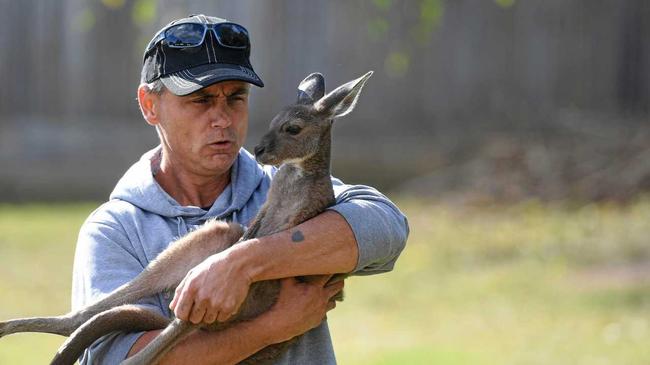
(259, 149)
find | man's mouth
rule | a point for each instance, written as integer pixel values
(221, 145)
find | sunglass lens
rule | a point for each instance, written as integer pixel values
(232, 35)
(185, 35)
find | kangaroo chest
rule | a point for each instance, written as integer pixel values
(294, 197)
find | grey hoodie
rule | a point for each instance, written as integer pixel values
(121, 237)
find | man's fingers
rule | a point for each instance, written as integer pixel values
(184, 306)
(286, 282)
(210, 317)
(177, 292)
(198, 312)
(331, 305)
(339, 280)
(322, 279)
(222, 316)
(334, 289)
(335, 279)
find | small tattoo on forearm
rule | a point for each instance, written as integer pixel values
(297, 236)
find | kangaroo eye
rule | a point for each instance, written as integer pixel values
(292, 129)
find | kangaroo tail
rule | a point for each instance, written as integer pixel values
(170, 336)
(129, 318)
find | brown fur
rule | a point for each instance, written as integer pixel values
(115, 319)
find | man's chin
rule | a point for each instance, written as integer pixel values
(219, 162)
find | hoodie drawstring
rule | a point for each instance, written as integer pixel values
(182, 226)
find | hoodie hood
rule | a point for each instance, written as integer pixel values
(139, 188)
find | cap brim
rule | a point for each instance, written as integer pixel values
(188, 81)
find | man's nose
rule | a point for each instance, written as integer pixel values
(219, 118)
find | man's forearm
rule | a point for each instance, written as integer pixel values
(324, 244)
(229, 346)
(299, 308)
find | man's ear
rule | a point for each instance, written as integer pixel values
(148, 104)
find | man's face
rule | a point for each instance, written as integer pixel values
(203, 131)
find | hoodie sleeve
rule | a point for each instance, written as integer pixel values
(379, 227)
(104, 260)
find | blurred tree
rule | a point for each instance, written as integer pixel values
(552, 95)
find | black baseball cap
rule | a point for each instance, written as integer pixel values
(185, 69)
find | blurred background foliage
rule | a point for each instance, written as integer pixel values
(513, 133)
(472, 100)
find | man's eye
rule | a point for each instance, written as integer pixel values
(234, 99)
(292, 129)
(200, 101)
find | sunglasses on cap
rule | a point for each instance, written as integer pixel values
(186, 35)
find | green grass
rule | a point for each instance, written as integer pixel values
(523, 284)
(529, 283)
(36, 253)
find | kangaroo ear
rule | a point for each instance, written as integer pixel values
(311, 88)
(342, 100)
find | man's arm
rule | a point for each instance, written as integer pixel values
(363, 233)
(300, 307)
(322, 245)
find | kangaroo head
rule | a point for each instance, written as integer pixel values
(300, 130)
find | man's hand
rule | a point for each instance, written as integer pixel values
(213, 290)
(300, 307)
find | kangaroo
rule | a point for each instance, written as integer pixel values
(299, 140)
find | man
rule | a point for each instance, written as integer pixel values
(194, 90)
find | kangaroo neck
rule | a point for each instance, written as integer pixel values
(308, 172)
(318, 164)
